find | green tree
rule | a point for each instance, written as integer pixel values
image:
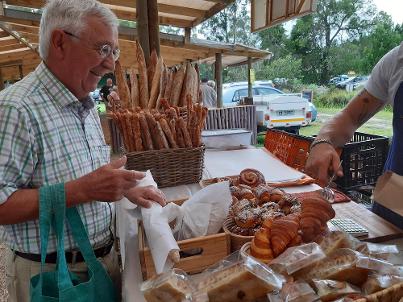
(383, 38)
(275, 40)
(334, 22)
(231, 25)
(285, 67)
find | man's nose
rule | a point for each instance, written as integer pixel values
(109, 63)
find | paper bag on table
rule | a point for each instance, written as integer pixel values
(204, 213)
(389, 191)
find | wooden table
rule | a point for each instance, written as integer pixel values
(378, 228)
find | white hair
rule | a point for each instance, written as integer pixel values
(71, 15)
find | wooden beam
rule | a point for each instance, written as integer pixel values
(218, 78)
(11, 47)
(19, 20)
(299, 7)
(142, 28)
(4, 26)
(153, 26)
(18, 54)
(7, 41)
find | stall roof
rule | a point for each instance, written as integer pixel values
(19, 40)
(179, 13)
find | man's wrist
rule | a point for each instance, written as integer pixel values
(320, 141)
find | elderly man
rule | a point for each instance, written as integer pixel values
(50, 133)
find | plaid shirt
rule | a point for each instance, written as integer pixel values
(48, 136)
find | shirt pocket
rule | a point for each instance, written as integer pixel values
(101, 155)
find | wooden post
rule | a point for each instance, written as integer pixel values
(21, 72)
(142, 27)
(153, 26)
(218, 78)
(249, 79)
(188, 31)
(1, 79)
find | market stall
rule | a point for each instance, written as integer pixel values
(221, 164)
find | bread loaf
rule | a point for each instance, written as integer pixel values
(143, 81)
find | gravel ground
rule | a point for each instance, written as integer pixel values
(3, 288)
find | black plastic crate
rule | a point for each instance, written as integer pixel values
(363, 160)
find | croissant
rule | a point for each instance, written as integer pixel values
(260, 246)
(251, 177)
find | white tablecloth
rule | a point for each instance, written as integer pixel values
(217, 164)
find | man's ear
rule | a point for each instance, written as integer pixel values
(57, 45)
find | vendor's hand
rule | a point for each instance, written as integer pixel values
(322, 161)
(144, 196)
(107, 183)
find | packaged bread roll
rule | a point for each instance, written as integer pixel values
(246, 280)
(171, 286)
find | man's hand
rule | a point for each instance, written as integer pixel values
(107, 183)
(322, 161)
(144, 196)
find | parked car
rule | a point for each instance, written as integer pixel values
(234, 92)
(352, 81)
(338, 79)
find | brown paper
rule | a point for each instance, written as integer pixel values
(389, 191)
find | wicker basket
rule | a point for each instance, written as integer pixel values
(237, 241)
(170, 167)
(391, 294)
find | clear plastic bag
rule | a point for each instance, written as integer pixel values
(379, 251)
(329, 290)
(296, 258)
(294, 292)
(243, 280)
(173, 286)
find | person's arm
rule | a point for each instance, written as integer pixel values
(323, 158)
(108, 183)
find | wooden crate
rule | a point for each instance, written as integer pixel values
(212, 248)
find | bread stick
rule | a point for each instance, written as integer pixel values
(145, 132)
(138, 143)
(168, 134)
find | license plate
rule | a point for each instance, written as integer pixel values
(285, 112)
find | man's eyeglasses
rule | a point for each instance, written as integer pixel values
(104, 50)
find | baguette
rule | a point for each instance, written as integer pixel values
(145, 132)
(143, 82)
(124, 92)
(168, 133)
(138, 143)
(155, 87)
(168, 88)
(177, 86)
(151, 68)
(163, 83)
(134, 89)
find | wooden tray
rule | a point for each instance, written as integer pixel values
(305, 180)
(196, 253)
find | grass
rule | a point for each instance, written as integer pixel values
(380, 124)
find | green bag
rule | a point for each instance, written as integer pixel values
(62, 285)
